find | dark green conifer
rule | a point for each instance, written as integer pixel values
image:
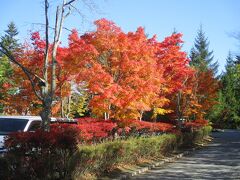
(227, 111)
(200, 55)
(10, 42)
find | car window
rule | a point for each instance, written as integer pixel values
(34, 125)
(8, 125)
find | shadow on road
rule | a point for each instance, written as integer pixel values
(220, 160)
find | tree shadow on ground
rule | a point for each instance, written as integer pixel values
(220, 160)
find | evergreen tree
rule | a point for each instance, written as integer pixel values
(237, 60)
(228, 83)
(202, 60)
(9, 39)
(227, 111)
(11, 44)
(200, 55)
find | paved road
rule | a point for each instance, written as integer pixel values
(220, 160)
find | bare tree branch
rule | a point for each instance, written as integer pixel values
(91, 6)
(60, 26)
(54, 53)
(77, 10)
(69, 12)
(57, 34)
(50, 27)
(45, 67)
(69, 2)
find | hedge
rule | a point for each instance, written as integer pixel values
(102, 158)
(59, 162)
(190, 138)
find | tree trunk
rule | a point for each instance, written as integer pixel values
(141, 114)
(179, 112)
(46, 113)
(105, 116)
(62, 107)
(48, 87)
(69, 104)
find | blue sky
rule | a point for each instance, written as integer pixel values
(219, 18)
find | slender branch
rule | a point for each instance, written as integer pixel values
(76, 9)
(68, 3)
(60, 25)
(91, 6)
(54, 53)
(45, 68)
(57, 35)
(50, 27)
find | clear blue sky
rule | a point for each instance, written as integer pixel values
(219, 18)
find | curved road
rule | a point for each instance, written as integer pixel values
(219, 160)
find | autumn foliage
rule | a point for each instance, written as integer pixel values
(124, 74)
(127, 73)
(40, 154)
(97, 129)
(196, 123)
(24, 101)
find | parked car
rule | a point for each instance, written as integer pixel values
(10, 124)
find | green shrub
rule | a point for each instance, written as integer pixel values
(55, 161)
(100, 158)
(97, 159)
(207, 130)
(190, 138)
(202, 133)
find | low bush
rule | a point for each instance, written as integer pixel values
(196, 124)
(95, 130)
(196, 136)
(206, 130)
(136, 127)
(100, 158)
(40, 154)
(5, 172)
(65, 152)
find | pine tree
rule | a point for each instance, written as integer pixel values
(11, 44)
(230, 82)
(202, 61)
(200, 55)
(237, 60)
(9, 39)
(227, 111)
(229, 102)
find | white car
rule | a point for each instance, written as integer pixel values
(9, 124)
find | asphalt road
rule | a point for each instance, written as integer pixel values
(220, 160)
